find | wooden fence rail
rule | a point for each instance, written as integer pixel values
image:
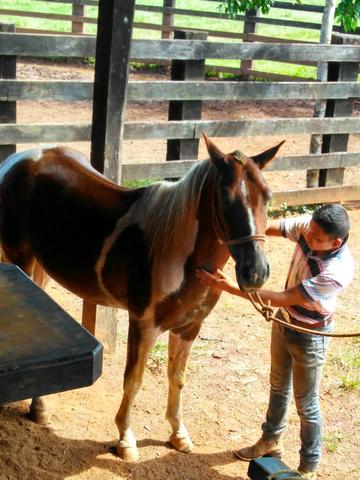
(158, 91)
(35, 133)
(25, 45)
(291, 163)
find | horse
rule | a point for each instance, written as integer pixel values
(138, 249)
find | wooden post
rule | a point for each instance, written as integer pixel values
(7, 109)
(250, 26)
(78, 10)
(189, 109)
(167, 19)
(111, 74)
(346, 72)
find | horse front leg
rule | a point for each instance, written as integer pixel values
(138, 348)
(179, 350)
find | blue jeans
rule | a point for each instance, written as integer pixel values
(296, 361)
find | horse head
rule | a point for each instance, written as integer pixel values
(240, 214)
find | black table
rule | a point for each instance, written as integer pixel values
(43, 350)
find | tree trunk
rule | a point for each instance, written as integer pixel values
(312, 176)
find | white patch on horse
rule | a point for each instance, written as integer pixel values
(169, 276)
(251, 222)
(245, 192)
(173, 271)
(109, 241)
(243, 189)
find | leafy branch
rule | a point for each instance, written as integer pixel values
(347, 11)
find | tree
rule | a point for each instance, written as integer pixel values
(347, 11)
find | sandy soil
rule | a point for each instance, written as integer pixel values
(227, 385)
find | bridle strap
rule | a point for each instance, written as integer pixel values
(248, 238)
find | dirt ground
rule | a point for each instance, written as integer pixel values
(227, 386)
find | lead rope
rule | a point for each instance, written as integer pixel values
(267, 311)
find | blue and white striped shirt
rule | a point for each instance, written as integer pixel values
(320, 279)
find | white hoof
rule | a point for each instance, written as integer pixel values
(182, 444)
(128, 454)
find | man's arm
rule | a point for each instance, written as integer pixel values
(273, 228)
(220, 281)
(291, 296)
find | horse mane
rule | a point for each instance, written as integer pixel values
(171, 212)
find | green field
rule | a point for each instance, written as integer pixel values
(182, 22)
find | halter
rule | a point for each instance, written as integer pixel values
(248, 238)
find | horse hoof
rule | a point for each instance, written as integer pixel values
(37, 412)
(38, 416)
(128, 454)
(182, 444)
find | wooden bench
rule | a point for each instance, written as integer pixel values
(43, 350)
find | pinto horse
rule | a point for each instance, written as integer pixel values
(138, 249)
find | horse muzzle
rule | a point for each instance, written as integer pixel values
(252, 276)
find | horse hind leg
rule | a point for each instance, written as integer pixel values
(28, 264)
(37, 412)
(39, 275)
(179, 350)
(138, 348)
(22, 257)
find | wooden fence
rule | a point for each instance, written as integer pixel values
(170, 18)
(342, 93)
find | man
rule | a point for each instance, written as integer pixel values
(321, 267)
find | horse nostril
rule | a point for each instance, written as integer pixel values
(250, 276)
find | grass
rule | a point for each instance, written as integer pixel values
(138, 183)
(159, 353)
(183, 22)
(332, 441)
(345, 366)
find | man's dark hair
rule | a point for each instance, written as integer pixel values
(333, 219)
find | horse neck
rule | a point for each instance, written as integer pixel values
(208, 209)
(171, 214)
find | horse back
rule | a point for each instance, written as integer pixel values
(56, 206)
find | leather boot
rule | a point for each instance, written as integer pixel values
(272, 447)
(308, 475)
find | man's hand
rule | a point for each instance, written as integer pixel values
(217, 280)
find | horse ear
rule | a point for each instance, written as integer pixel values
(265, 157)
(217, 157)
